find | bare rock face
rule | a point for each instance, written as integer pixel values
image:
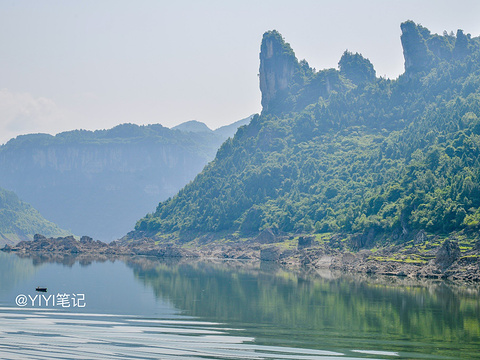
(447, 254)
(267, 236)
(270, 254)
(277, 67)
(422, 49)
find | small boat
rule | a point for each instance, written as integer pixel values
(42, 289)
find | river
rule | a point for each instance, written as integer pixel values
(145, 308)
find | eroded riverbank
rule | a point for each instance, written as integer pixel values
(444, 259)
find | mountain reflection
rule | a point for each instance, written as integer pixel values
(271, 301)
(14, 270)
(253, 293)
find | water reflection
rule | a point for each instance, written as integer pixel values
(14, 270)
(355, 315)
(322, 309)
(66, 259)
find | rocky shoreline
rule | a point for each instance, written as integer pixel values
(445, 261)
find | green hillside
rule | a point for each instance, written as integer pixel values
(345, 151)
(20, 221)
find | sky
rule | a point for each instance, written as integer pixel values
(94, 64)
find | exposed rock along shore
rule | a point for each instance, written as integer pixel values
(445, 261)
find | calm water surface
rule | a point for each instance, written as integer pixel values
(149, 309)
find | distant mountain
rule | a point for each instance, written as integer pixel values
(230, 130)
(342, 151)
(20, 221)
(99, 183)
(192, 126)
(225, 131)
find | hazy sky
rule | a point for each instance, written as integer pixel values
(95, 64)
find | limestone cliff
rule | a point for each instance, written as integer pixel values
(423, 50)
(278, 65)
(288, 84)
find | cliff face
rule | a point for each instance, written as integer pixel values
(288, 84)
(100, 183)
(277, 68)
(423, 50)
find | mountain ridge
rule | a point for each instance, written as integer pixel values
(330, 153)
(100, 182)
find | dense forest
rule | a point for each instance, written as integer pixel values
(346, 151)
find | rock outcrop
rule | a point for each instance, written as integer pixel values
(267, 236)
(415, 50)
(447, 254)
(278, 65)
(68, 245)
(422, 49)
(290, 85)
(270, 254)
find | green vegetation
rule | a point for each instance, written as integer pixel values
(356, 68)
(367, 154)
(20, 221)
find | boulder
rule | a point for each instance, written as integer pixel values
(305, 242)
(448, 253)
(38, 237)
(266, 237)
(86, 239)
(270, 254)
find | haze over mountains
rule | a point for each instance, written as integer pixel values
(99, 183)
(333, 151)
(343, 151)
(20, 221)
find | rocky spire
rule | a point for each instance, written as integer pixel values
(277, 67)
(415, 50)
(422, 49)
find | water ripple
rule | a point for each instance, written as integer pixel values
(33, 334)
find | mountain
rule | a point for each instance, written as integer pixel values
(192, 126)
(343, 151)
(225, 131)
(20, 221)
(100, 182)
(229, 130)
